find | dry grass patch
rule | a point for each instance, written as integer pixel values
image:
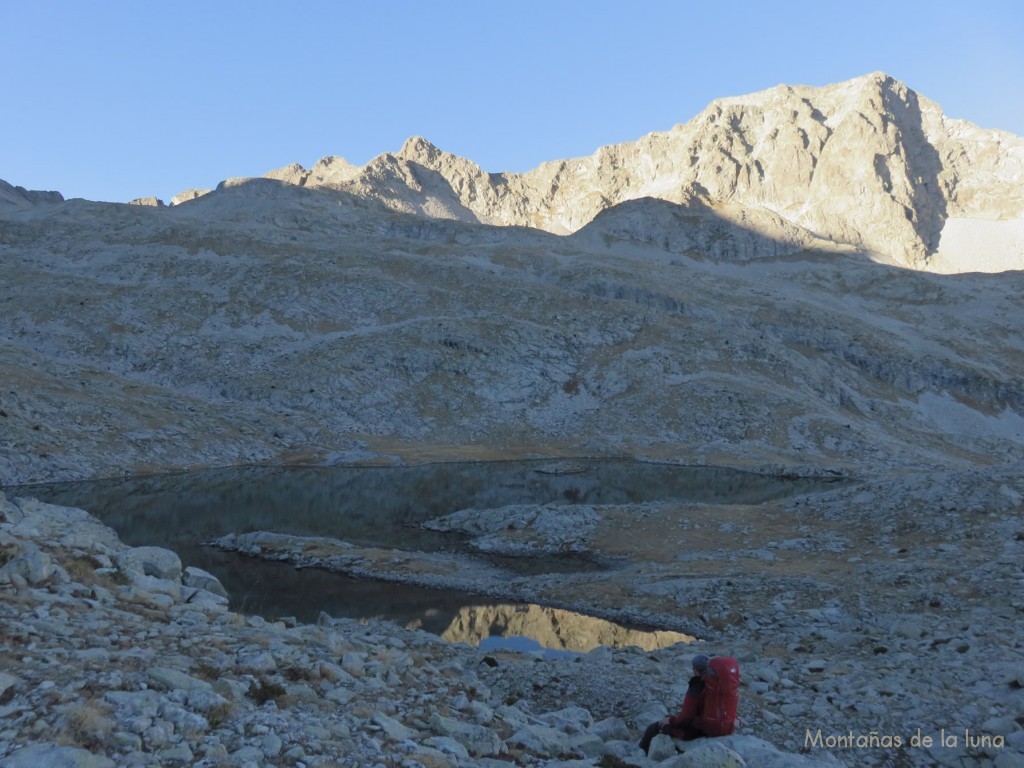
(87, 724)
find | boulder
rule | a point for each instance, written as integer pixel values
(709, 753)
(477, 740)
(174, 679)
(542, 740)
(151, 561)
(32, 564)
(197, 578)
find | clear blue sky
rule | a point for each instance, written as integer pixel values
(117, 99)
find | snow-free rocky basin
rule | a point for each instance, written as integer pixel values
(800, 282)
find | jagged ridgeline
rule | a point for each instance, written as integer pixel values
(867, 163)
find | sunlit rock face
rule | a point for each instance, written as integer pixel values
(552, 628)
(867, 163)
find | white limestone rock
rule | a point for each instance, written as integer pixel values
(523, 529)
(662, 748)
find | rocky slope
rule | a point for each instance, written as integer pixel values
(269, 322)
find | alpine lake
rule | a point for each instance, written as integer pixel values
(384, 506)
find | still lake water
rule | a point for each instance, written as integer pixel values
(374, 506)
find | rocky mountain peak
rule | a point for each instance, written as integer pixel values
(867, 163)
(416, 149)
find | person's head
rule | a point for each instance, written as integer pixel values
(700, 664)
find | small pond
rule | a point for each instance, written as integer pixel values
(377, 506)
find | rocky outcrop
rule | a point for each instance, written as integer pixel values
(523, 530)
(724, 231)
(188, 194)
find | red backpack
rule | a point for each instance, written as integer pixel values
(721, 696)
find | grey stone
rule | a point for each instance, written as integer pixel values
(662, 747)
(175, 679)
(7, 682)
(272, 745)
(158, 562)
(542, 739)
(52, 756)
(179, 754)
(200, 579)
(479, 741)
(708, 753)
(611, 729)
(392, 727)
(447, 745)
(1009, 759)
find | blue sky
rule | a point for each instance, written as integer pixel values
(117, 99)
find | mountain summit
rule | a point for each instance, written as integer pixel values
(866, 163)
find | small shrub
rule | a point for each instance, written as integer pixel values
(87, 725)
(297, 674)
(80, 569)
(114, 579)
(206, 671)
(7, 554)
(266, 691)
(219, 714)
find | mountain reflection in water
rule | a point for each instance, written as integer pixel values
(551, 628)
(380, 507)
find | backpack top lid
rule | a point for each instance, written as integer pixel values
(725, 666)
(724, 674)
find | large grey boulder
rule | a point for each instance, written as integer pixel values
(151, 561)
(477, 740)
(197, 578)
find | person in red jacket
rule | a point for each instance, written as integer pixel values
(709, 707)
